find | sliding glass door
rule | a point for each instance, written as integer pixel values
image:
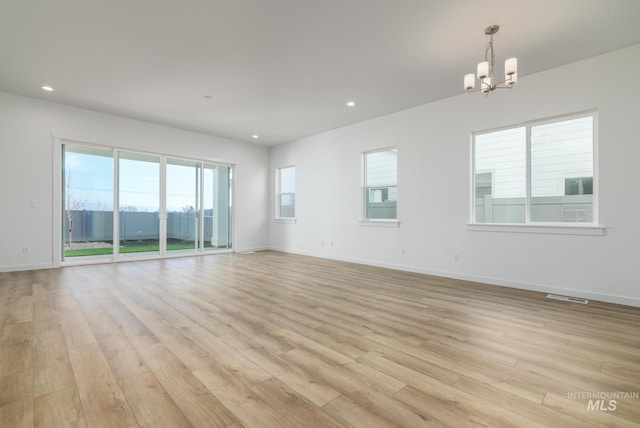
(183, 205)
(87, 201)
(122, 204)
(139, 203)
(217, 184)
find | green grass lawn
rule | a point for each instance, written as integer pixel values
(125, 250)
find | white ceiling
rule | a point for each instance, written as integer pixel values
(284, 69)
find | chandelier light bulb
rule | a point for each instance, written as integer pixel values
(483, 69)
(469, 81)
(511, 66)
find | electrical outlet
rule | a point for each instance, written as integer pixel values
(402, 251)
(25, 250)
(456, 257)
(33, 204)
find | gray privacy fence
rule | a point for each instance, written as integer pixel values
(385, 209)
(569, 208)
(97, 226)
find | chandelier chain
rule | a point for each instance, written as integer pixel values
(490, 57)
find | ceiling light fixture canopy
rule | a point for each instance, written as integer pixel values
(485, 69)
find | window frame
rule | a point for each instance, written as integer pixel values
(279, 193)
(529, 226)
(365, 220)
(59, 259)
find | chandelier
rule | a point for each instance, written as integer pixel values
(485, 70)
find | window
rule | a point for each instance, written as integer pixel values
(183, 205)
(118, 204)
(286, 192)
(87, 201)
(218, 206)
(380, 184)
(538, 173)
(484, 184)
(139, 203)
(578, 186)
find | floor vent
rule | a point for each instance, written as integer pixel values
(567, 298)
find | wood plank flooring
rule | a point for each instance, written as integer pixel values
(279, 340)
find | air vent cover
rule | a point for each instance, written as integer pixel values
(568, 298)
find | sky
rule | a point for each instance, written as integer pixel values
(89, 173)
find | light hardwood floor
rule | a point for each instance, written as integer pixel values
(276, 340)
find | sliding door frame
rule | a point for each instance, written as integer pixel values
(58, 206)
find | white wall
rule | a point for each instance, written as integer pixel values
(26, 168)
(433, 142)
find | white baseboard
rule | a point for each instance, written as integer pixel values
(250, 249)
(26, 267)
(609, 298)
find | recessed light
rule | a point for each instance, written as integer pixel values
(47, 88)
(254, 136)
(209, 97)
(351, 103)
